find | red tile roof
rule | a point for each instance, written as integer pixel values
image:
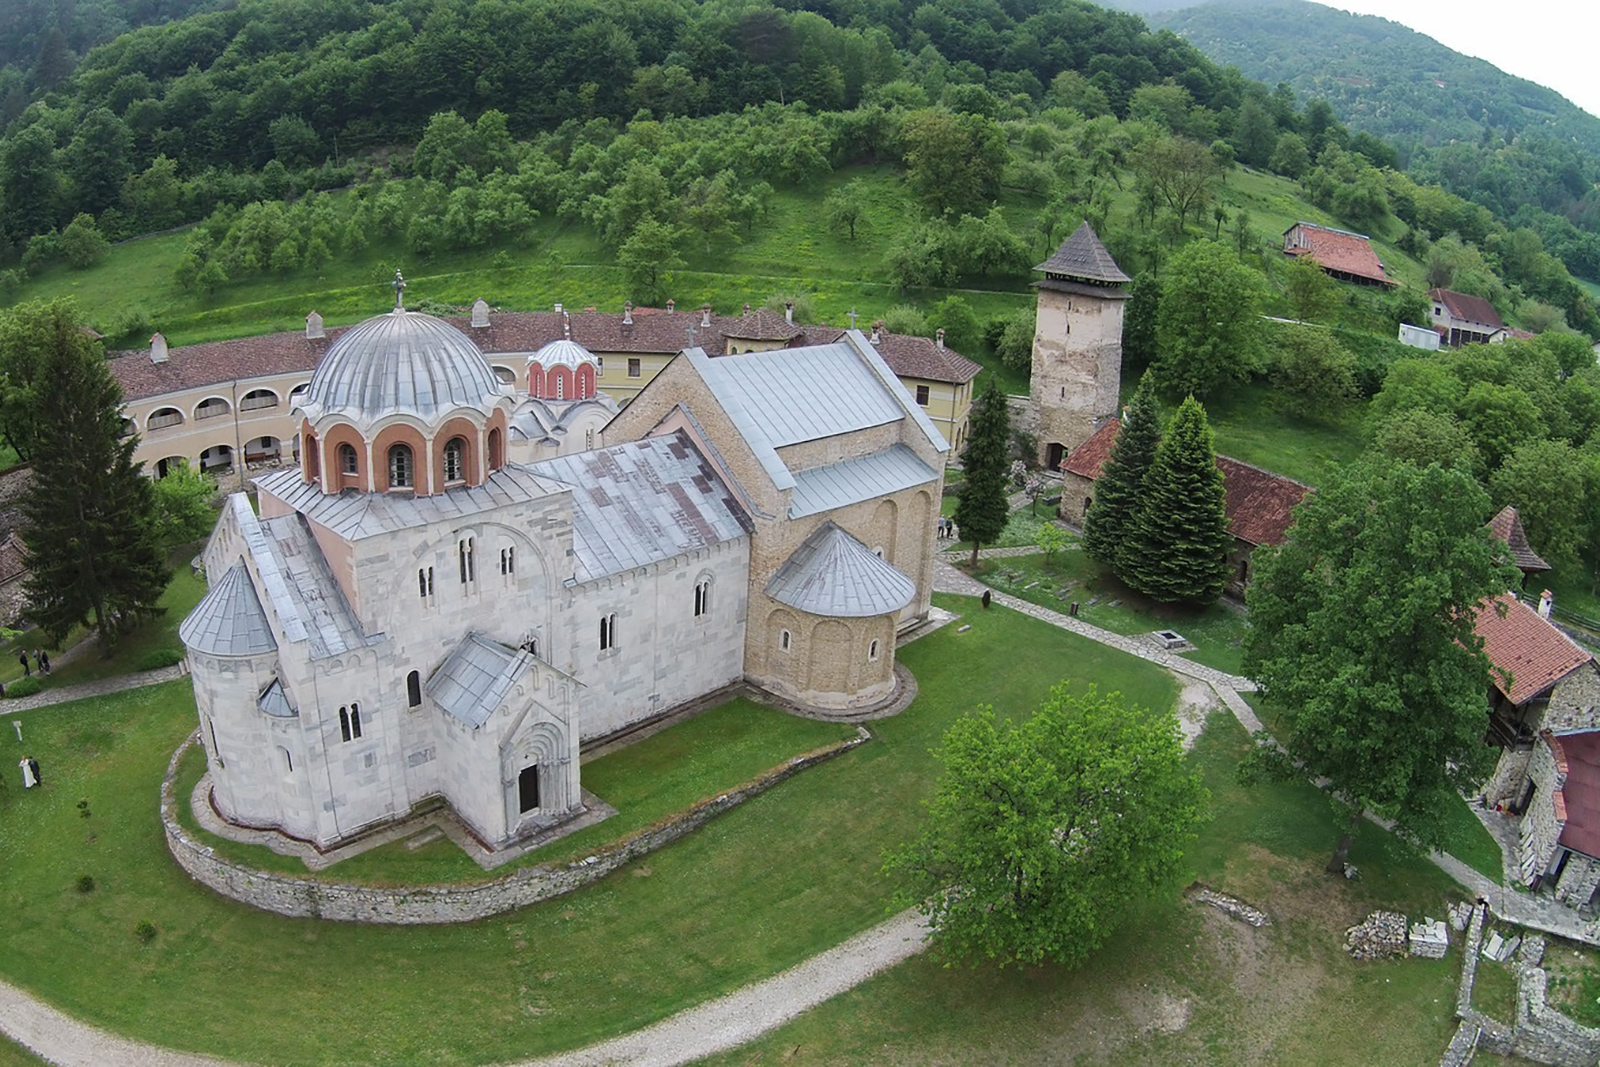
(1518, 642)
(1335, 250)
(652, 331)
(1470, 308)
(1507, 527)
(1578, 801)
(1087, 459)
(1259, 503)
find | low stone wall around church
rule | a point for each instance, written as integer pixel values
(303, 898)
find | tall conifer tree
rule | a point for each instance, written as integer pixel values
(92, 550)
(1179, 545)
(984, 507)
(1118, 490)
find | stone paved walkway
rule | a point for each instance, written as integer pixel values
(64, 694)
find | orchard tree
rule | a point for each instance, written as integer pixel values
(1312, 294)
(954, 162)
(645, 257)
(1177, 548)
(93, 554)
(846, 206)
(1361, 631)
(1120, 487)
(1207, 328)
(1043, 836)
(983, 508)
(1313, 375)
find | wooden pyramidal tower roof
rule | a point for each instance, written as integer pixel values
(1507, 526)
(1082, 258)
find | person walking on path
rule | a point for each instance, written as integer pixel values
(22, 658)
(44, 661)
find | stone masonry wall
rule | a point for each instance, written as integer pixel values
(421, 905)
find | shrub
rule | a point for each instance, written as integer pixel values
(85, 883)
(145, 931)
(157, 658)
(24, 687)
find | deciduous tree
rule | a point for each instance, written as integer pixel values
(1207, 329)
(1361, 631)
(846, 206)
(1313, 375)
(646, 256)
(1043, 835)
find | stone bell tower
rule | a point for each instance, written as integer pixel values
(1077, 343)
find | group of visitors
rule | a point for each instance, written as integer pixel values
(41, 660)
(947, 529)
(30, 772)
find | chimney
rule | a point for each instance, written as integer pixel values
(788, 311)
(877, 332)
(938, 337)
(672, 306)
(566, 325)
(1545, 600)
(627, 313)
(314, 328)
(158, 349)
(705, 315)
(747, 309)
(480, 313)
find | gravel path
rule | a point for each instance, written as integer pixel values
(118, 684)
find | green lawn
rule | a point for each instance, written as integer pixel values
(1248, 428)
(784, 876)
(1215, 631)
(1183, 985)
(709, 754)
(14, 1055)
(183, 592)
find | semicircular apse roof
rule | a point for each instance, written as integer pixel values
(563, 352)
(403, 362)
(833, 574)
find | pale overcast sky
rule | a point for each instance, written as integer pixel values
(1552, 42)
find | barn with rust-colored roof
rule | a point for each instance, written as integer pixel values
(1463, 319)
(1344, 255)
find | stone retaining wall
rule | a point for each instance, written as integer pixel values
(299, 897)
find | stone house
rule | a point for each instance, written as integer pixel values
(210, 403)
(1461, 319)
(418, 613)
(1259, 504)
(1341, 254)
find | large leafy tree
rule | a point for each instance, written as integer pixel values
(954, 161)
(93, 556)
(1043, 835)
(983, 508)
(1120, 487)
(1361, 632)
(1207, 329)
(1177, 548)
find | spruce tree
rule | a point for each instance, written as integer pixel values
(92, 550)
(1179, 544)
(1119, 488)
(984, 508)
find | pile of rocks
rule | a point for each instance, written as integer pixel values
(1461, 915)
(1229, 906)
(1430, 939)
(1499, 948)
(1377, 937)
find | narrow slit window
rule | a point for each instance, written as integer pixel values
(414, 689)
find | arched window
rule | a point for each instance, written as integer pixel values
(508, 560)
(608, 632)
(348, 463)
(784, 640)
(355, 720)
(161, 418)
(494, 450)
(414, 689)
(561, 386)
(425, 582)
(455, 459)
(702, 597)
(468, 567)
(344, 724)
(400, 462)
(288, 760)
(872, 651)
(256, 399)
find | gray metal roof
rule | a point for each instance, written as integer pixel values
(474, 679)
(229, 620)
(305, 594)
(1083, 256)
(354, 515)
(802, 394)
(833, 574)
(855, 480)
(644, 501)
(404, 362)
(275, 702)
(564, 352)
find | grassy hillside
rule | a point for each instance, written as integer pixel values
(131, 293)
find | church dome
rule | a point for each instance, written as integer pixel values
(564, 352)
(404, 362)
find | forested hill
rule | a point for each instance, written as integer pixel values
(1380, 76)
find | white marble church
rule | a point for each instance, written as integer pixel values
(465, 579)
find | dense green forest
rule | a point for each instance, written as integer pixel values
(1523, 151)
